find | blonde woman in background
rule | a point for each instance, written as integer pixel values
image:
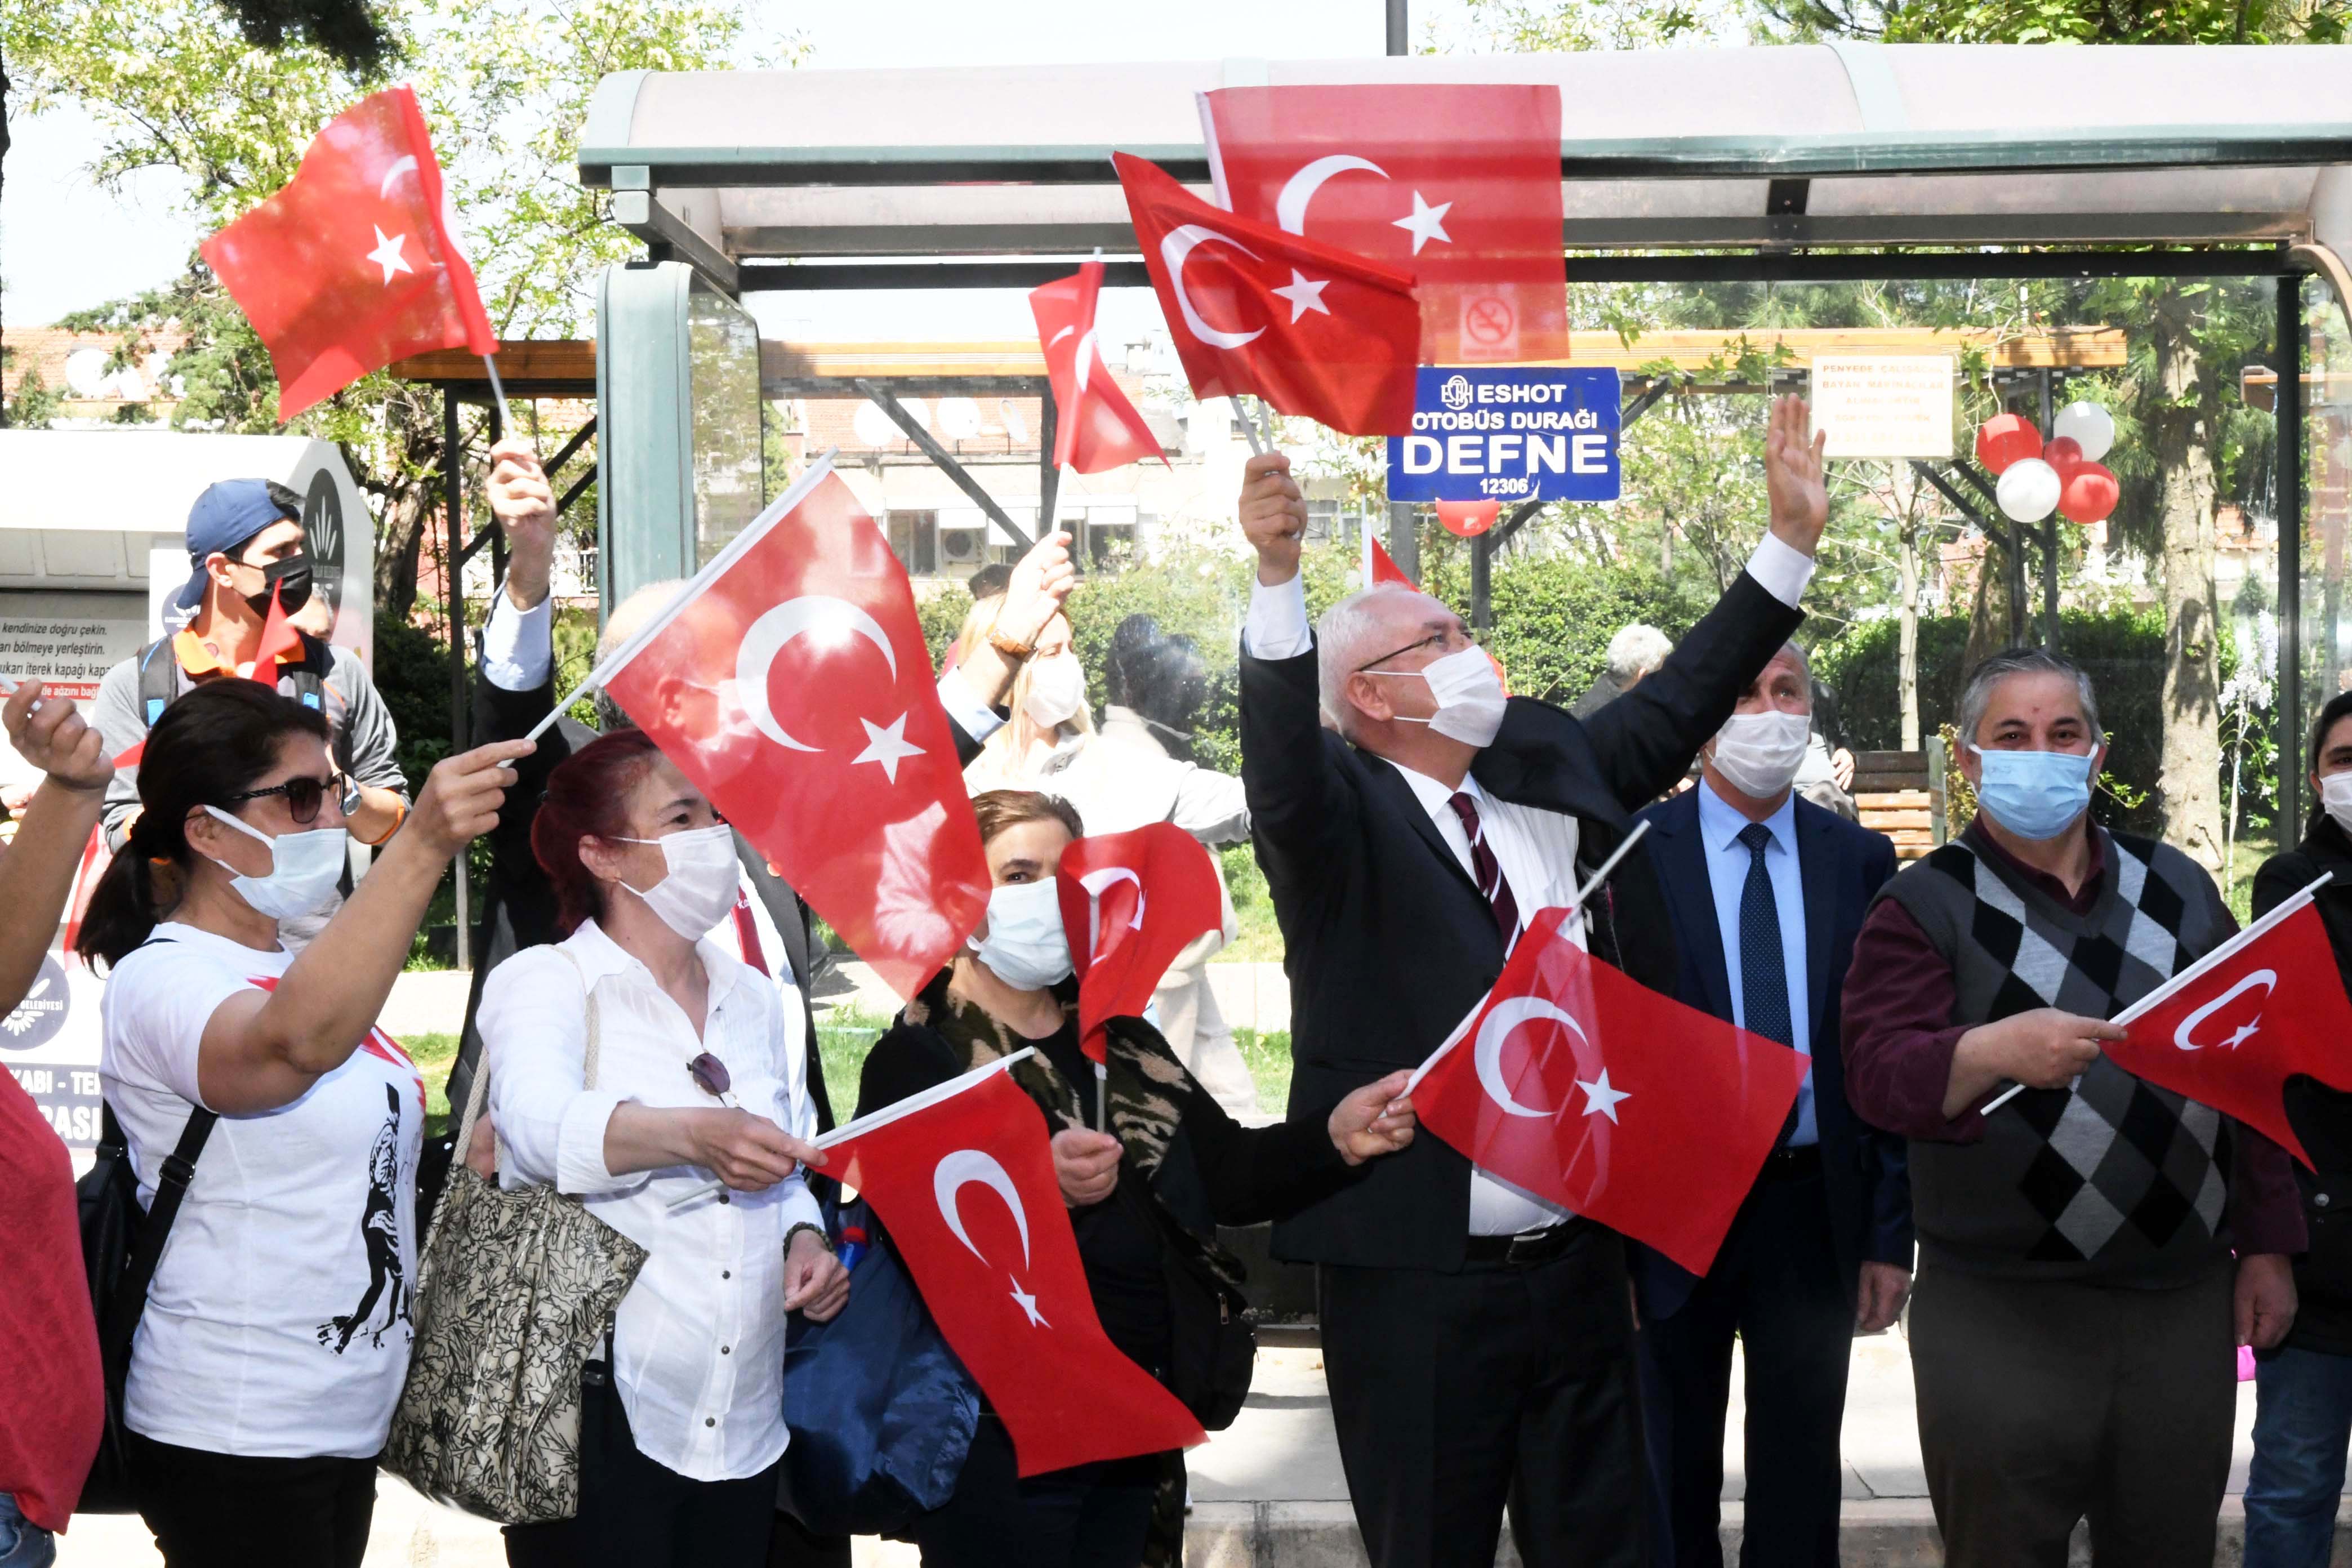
(1048, 703)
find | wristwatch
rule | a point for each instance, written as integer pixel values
(1015, 651)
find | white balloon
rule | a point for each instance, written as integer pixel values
(2028, 490)
(2090, 427)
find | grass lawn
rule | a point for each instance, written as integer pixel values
(2253, 847)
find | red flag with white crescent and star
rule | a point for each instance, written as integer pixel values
(2229, 1030)
(1460, 181)
(1315, 331)
(790, 681)
(1130, 903)
(1581, 1085)
(1095, 426)
(962, 1175)
(356, 262)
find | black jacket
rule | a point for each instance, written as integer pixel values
(2321, 1117)
(1865, 1171)
(1390, 942)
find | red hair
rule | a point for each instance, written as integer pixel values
(587, 797)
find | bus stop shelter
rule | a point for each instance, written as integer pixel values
(1834, 162)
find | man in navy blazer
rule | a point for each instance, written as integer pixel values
(1767, 893)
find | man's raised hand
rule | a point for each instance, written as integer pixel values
(1795, 476)
(1273, 516)
(524, 504)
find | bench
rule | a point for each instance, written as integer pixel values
(1901, 795)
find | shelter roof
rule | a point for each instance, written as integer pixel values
(1801, 145)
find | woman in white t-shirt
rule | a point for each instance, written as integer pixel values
(276, 1330)
(699, 1075)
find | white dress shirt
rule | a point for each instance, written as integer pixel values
(1728, 861)
(698, 1342)
(1536, 850)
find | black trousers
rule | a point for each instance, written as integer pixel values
(223, 1510)
(1776, 1287)
(1457, 1394)
(1088, 1516)
(635, 1512)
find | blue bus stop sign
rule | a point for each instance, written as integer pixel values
(1513, 434)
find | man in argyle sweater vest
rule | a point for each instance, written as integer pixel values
(2077, 1300)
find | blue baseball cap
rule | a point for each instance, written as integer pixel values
(229, 514)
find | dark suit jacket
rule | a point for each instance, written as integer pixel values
(1390, 942)
(1863, 1170)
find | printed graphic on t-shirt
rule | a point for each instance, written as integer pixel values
(387, 1286)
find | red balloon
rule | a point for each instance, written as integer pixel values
(2065, 455)
(2006, 438)
(1469, 518)
(2091, 494)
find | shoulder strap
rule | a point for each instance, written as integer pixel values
(130, 1303)
(157, 681)
(479, 1093)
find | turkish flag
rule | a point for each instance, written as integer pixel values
(1590, 1090)
(1380, 567)
(1458, 182)
(963, 1177)
(1130, 903)
(792, 684)
(2229, 1030)
(1312, 329)
(1096, 427)
(356, 262)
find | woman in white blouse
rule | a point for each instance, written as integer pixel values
(699, 1075)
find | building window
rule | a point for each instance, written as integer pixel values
(1322, 519)
(915, 541)
(1106, 540)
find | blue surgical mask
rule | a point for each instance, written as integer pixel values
(2034, 794)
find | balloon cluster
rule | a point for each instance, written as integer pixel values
(2065, 477)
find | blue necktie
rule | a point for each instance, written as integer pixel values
(1763, 967)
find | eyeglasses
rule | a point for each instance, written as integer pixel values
(304, 795)
(1440, 638)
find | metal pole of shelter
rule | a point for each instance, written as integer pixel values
(1404, 539)
(453, 498)
(2288, 407)
(1400, 38)
(2049, 532)
(1482, 583)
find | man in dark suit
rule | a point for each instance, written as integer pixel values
(1479, 1342)
(1766, 892)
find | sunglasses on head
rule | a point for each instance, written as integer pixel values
(304, 795)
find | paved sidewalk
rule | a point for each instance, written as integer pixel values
(1268, 1491)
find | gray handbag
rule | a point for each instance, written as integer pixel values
(515, 1292)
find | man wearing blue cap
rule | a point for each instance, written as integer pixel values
(245, 545)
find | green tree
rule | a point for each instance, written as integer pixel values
(505, 84)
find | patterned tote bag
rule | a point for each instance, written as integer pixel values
(515, 1292)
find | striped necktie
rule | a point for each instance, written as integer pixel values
(1488, 870)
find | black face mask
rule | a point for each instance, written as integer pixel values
(291, 578)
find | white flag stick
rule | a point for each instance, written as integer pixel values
(883, 1117)
(1249, 428)
(499, 391)
(1575, 907)
(736, 547)
(2187, 976)
(1102, 1095)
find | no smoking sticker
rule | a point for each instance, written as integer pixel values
(1490, 327)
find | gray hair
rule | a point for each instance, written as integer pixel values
(626, 616)
(1344, 642)
(1635, 651)
(1994, 669)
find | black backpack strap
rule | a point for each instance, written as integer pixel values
(139, 1271)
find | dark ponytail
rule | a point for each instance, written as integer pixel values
(215, 742)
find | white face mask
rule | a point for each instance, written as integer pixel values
(2335, 795)
(1057, 690)
(699, 889)
(1026, 946)
(1468, 692)
(1758, 754)
(304, 868)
